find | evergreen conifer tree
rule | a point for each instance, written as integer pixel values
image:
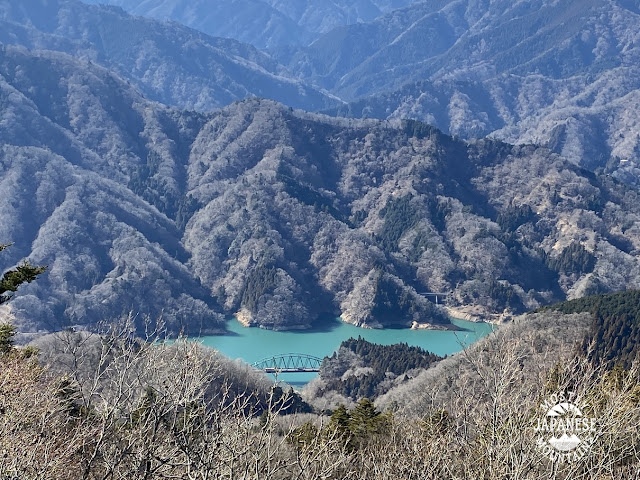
(11, 280)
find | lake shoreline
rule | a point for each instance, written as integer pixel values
(477, 314)
(254, 344)
(244, 318)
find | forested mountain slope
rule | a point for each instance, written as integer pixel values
(613, 338)
(166, 61)
(250, 21)
(511, 366)
(592, 123)
(495, 225)
(461, 39)
(73, 139)
(262, 23)
(601, 330)
(561, 74)
(281, 215)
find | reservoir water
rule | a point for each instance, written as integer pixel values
(254, 344)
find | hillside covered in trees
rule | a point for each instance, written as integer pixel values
(167, 62)
(613, 339)
(114, 405)
(601, 330)
(560, 74)
(360, 369)
(282, 215)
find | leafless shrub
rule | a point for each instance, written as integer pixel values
(167, 410)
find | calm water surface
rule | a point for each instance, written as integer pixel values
(254, 344)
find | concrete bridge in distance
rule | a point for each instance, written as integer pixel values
(289, 363)
(439, 297)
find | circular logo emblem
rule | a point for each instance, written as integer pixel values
(564, 432)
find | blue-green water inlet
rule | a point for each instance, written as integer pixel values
(254, 344)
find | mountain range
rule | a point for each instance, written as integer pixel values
(361, 159)
(463, 39)
(262, 23)
(167, 62)
(560, 74)
(280, 215)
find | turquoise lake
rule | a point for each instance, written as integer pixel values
(254, 344)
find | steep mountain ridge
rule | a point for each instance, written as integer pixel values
(281, 215)
(560, 74)
(593, 125)
(373, 213)
(460, 39)
(166, 61)
(262, 23)
(250, 21)
(69, 148)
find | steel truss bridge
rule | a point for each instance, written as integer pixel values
(289, 363)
